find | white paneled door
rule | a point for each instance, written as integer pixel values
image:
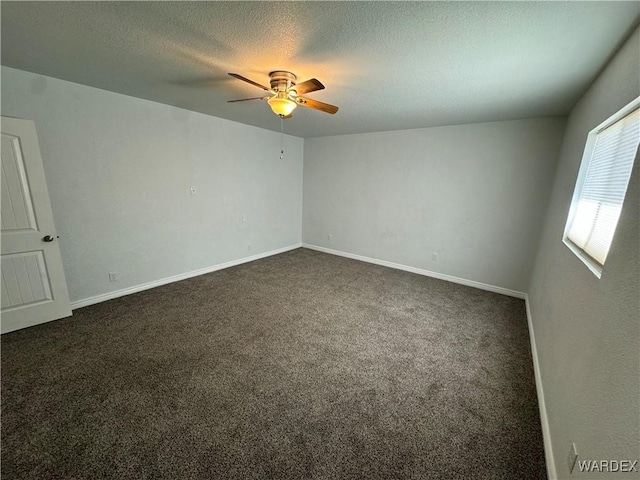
(34, 289)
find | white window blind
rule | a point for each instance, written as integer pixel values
(599, 203)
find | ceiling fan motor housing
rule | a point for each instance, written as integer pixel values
(282, 80)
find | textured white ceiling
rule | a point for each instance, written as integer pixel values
(387, 65)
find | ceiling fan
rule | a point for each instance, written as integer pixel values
(285, 95)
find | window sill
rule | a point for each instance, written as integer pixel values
(595, 268)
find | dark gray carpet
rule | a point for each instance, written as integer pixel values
(302, 365)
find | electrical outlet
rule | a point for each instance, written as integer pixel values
(113, 277)
(572, 457)
(249, 247)
(244, 219)
(434, 256)
(329, 237)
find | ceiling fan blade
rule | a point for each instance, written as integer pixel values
(244, 79)
(324, 107)
(247, 99)
(308, 86)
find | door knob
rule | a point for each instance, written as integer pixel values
(48, 238)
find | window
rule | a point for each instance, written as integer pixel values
(602, 184)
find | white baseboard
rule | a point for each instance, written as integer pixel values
(176, 278)
(419, 271)
(544, 420)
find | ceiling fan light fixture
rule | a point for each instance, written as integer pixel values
(282, 106)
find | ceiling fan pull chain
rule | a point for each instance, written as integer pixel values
(281, 137)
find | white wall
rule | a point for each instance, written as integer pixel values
(475, 194)
(587, 329)
(119, 171)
